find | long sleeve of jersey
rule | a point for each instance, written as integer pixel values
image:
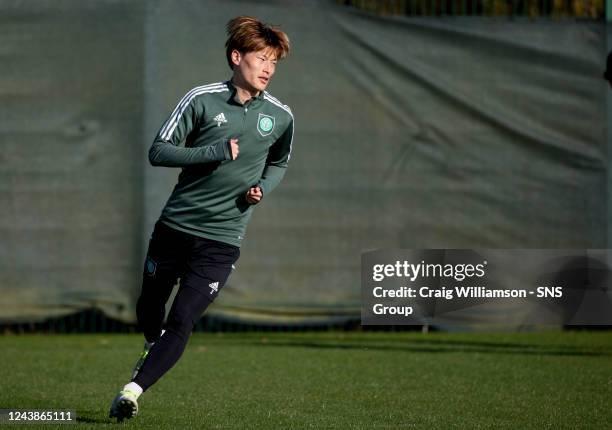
(168, 148)
(276, 163)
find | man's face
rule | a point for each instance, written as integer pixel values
(255, 69)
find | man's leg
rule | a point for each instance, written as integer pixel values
(163, 266)
(207, 270)
(161, 271)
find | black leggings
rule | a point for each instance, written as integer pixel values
(203, 265)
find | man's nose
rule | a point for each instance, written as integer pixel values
(268, 67)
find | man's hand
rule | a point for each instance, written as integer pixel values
(234, 148)
(254, 195)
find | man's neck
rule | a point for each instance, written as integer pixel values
(243, 93)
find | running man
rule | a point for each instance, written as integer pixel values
(233, 141)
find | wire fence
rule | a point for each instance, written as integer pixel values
(94, 321)
(550, 9)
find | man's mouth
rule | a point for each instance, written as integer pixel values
(263, 79)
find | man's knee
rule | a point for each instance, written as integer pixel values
(182, 319)
(183, 322)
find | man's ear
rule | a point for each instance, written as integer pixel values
(236, 57)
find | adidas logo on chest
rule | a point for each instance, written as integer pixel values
(220, 119)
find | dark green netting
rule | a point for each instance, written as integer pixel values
(410, 133)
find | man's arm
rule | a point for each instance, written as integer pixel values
(166, 150)
(278, 158)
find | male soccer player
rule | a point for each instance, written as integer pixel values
(237, 142)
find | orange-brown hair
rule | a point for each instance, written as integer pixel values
(247, 34)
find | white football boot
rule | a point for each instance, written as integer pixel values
(125, 406)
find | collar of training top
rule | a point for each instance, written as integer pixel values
(234, 95)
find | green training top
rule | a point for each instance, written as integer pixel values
(209, 198)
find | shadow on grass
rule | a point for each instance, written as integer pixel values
(89, 417)
(435, 346)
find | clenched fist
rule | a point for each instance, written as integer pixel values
(254, 195)
(234, 148)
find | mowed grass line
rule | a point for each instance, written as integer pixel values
(324, 380)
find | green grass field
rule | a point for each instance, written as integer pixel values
(324, 380)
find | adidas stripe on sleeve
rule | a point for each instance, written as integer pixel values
(166, 150)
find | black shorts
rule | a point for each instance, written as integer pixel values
(201, 264)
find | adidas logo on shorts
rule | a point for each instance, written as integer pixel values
(214, 286)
